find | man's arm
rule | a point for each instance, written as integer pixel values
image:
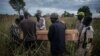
(34, 27)
(21, 31)
(51, 33)
(89, 35)
(21, 35)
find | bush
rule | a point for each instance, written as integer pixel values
(96, 40)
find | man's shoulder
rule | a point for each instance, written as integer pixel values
(52, 25)
(55, 25)
(59, 24)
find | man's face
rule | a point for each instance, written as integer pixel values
(80, 17)
(38, 15)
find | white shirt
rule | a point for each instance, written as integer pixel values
(41, 25)
(89, 33)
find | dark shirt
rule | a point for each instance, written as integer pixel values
(29, 29)
(56, 36)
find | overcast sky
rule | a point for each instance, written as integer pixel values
(49, 6)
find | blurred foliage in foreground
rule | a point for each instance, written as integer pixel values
(96, 48)
(6, 49)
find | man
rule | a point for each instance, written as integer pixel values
(86, 37)
(41, 25)
(80, 17)
(15, 32)
(79, 25)
(56, 36)
(29, 31)
(40, 21)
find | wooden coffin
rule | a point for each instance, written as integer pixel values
(70, 34)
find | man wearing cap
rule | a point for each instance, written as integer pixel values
(79, 25)
(56, 36)
(80, 17)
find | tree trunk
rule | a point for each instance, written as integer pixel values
(23, 9)
(19, 13)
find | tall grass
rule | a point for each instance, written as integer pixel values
(96, 40)
(6, 49)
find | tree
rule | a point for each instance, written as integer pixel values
(65, 14)
(17, 5)
(98, 10)
(85, 9)
(26, 12)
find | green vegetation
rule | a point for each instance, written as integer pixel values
(6, 49)
(85, 9)
(17, 5)
(96, 48)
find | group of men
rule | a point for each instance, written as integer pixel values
(24, 29)
(56, 33)
(85, 39)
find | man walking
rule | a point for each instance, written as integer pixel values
(29, 31)
(56, 36)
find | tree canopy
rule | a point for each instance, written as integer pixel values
(98, 10)
(17, 5)
(85, 9)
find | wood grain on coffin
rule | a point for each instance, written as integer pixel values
(70, 34)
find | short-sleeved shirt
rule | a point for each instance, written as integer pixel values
(87, 33)
(41, 24)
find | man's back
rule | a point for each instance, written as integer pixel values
(29, 29)
(56, 36)
(59, 29)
